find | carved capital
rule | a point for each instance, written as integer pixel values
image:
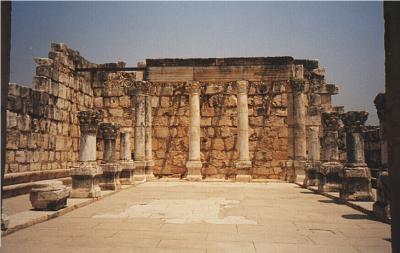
(89, 121)
(297, 85)
(194, 87)
(330, 121)
(139, 88)
(242, 86)
(380, 104)
(354, 121)
(108, 131)
(121, 79)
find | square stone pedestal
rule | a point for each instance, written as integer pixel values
(111, 174)
(356, 184)
(140, 167)
(49, 197)
(127, 172)
(194, 170)
(293, 168)
(311, 174)
(149, 171)
(85, 180)
(329, 177)
(243, 171)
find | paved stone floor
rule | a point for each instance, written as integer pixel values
(207, 217)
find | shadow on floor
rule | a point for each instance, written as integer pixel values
(357, 217)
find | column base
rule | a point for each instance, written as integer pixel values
(85, 180)
(293, 168)
(4, 221)
(356, 184)
(194, 170)
(127, 172)
(140, 167)
(111, 173)
(311, 174)
(243, 171)
(329, 177)
(50, 197)
(149, 171)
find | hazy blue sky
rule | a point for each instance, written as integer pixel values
(347, 37)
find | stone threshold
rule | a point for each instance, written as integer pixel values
(362, 206)
(31, 217)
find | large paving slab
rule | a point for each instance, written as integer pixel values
(207, 217)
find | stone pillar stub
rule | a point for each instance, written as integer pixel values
(380, 104)
(126, 163)
(243, 164)
(330, 169)
(194, 163)
(85, 177)
(111, 169)
(356, 176)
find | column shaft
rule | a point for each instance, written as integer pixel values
(194, 129)
(140, 132)
(148, 134)
(125, 146)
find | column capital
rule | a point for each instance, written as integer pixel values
(109, 131)
(354, 121)
(242, 86)
(380, 104)
(139, 88)
(89, 121)
(297, 85)
(194, 87)
(330, 121)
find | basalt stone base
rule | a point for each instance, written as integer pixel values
(356, 184)
(140, 167)
(111, 173)
(311, 174)
(382, 205)
(127, 172)
(4, 221)
(194, 170)
(85, 180)
(50, 197)
(329, 177)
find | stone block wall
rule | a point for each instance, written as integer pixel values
(42, 127)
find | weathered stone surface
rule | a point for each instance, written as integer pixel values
(85, 180)
(111, 175)
(52, 196)
(382, 205)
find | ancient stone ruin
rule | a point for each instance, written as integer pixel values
(243, 119)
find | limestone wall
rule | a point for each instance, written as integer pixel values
(42, 127)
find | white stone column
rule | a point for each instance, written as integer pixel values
(85, 177)
(194, 163)
(111, 169)
(356, 176)
(243, 164)
(148, 137)
(140, 130)
(126, 163)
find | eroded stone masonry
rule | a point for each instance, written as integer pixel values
(217, 118)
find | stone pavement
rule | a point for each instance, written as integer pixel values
(207, 217)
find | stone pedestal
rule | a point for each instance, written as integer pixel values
(139, 174)
(382, 205)
(111, 174)
(243, 165)
(111, 169)
(356, 176)
(126, 163)
(194, 163)
(85, 180)
(311, 171)
(328, 174)
(50, 196)
(85, 177)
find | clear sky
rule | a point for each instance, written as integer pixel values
(347, 37)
